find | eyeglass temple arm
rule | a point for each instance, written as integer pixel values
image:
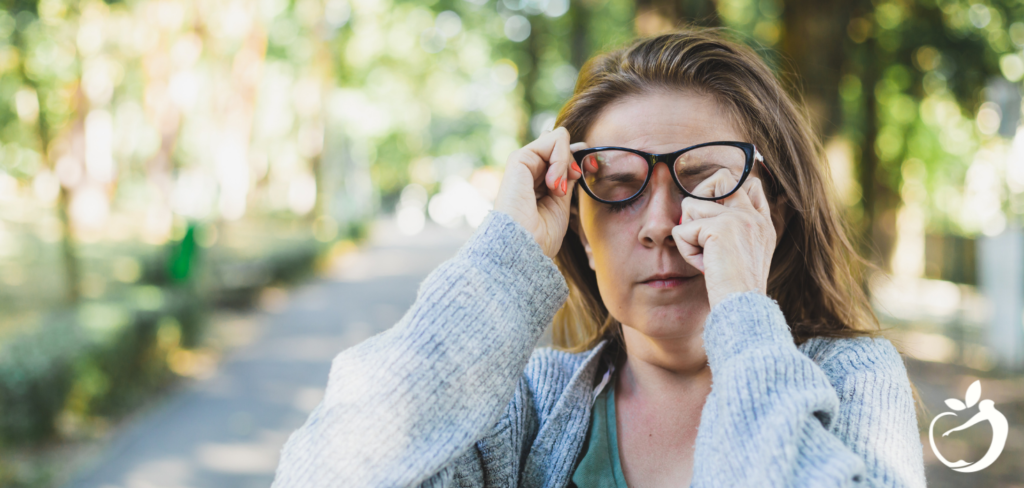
(759, 158)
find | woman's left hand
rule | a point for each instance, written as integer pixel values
(732, 240)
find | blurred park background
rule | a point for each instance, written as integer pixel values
(174, 172)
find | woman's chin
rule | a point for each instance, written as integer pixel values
(679, 317)
(668, 330)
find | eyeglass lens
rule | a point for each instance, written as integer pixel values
(616, 175)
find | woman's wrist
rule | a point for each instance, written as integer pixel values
(505, 251)
(743, 320)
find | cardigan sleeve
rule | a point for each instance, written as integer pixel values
(406, 406)
(774, 417)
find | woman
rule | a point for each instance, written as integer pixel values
(710, 332)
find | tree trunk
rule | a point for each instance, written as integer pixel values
(814, 46)
(534, 52)
(69, 248)
(878, 201)
(579, 47)
(873, 247)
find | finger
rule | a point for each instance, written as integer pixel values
(694, 209)
(564, 185)
(543, 144)
(553, 147)
(718, 184)
(754, 189)
(687, 238)
(740, 199)
(535, 157)
(575, 170)
(590, 163)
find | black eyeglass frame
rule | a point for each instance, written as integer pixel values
(669, 159)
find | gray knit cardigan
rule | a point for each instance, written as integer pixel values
(456, 395)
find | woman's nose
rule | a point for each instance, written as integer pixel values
(663, 209)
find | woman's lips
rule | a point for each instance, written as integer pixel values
(671, 282)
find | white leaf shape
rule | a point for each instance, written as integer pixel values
(973, 393)
(955, 404)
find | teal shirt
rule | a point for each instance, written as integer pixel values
(600, 466)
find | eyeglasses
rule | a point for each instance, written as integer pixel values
(619, 174)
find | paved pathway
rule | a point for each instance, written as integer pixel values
(227, 431)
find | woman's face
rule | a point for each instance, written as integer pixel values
(629, 249)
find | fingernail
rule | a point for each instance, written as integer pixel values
(575, 167)
(565, 186)
(680, 220)
(558, 182)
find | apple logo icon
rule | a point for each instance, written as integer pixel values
(986, 412)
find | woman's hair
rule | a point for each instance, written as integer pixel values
(815, 271)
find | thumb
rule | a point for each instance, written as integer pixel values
(692, 253)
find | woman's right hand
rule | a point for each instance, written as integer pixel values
(537, 187)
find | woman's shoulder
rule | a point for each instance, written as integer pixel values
(842, 356)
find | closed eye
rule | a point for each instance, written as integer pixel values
(697, 170)
(618, 178)
(620, 206)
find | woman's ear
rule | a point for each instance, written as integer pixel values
(574, 224)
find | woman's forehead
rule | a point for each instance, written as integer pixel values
(663, 121)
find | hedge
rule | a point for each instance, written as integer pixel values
(102, 358)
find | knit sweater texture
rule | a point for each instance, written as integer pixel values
(457, 394)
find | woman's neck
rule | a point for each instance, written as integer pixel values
(658, 368)
(660, 393)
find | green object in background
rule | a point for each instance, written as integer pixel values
(180, 263)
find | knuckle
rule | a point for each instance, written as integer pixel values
(526, 156)
(748, 224)
(534, 158)
(517, 155)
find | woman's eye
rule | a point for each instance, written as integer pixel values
(620, 206)
(614, 208)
